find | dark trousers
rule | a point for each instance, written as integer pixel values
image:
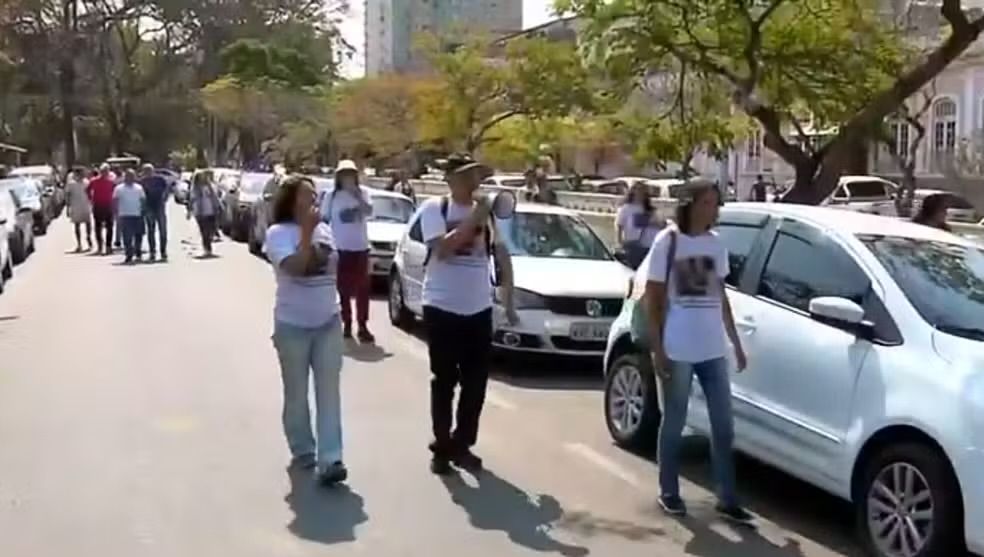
(207, 229)
(132, 232)
(459, 348)
(157, 228)
(104, 219)
(353, 282)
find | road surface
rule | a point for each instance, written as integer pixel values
(139, 416)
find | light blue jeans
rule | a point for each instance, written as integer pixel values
(302, 351)
(675, 396)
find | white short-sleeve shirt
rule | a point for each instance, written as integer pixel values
(349, 223)
(637, 224)
(129, 199)
(694, 329)
(462, 283)
(310, 301)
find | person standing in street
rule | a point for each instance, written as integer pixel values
(204, 204)
(131, 206)
(636, 224)
(157, 191)
(760, 191)
(401, 184)
(457, 300)
(348, 210)
(307, 330)
(690, 319)
(79, 208)
(100, 192)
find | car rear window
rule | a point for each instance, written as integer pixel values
(868, 188)
(957, 202)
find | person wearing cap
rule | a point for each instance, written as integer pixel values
(100, 191)
(691, 321)
(457, 303)
(347, 209)
(156, 189)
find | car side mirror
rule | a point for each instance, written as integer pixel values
(841, 313)
(622, 257)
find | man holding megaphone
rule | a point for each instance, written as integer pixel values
(463, 264)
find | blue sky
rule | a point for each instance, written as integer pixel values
(535, 12)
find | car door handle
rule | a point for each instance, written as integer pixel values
(747, 324)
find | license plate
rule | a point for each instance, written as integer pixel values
(590, 331)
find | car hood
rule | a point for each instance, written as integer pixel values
(390, 232)
(571, 277)
(958, 351)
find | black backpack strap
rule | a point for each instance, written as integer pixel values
(444, 217)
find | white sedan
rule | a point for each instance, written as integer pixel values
(569, 286)
(865, 338)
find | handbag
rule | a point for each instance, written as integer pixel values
(640, 327)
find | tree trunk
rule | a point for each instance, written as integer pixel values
(66, 82)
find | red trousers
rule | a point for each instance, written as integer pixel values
(353, 282)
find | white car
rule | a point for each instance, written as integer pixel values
(865, 338)
(865, 194)
(551, 248)
(8, 217)
(18, 222)
(513, 181)
(391, 212)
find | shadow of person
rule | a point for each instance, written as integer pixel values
(707, 542)
(323, 515)
(496, 504)
(369, 353)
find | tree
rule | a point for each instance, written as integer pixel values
(377, 115)
(474, 93)
(837, 61)
(904, 134)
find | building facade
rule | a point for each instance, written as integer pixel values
(392, 25)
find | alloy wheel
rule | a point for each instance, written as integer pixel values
(626, 399)
(900, 510)
(395, 299)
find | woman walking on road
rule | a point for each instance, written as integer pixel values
(79, 208)
(689, 316)
(205, 206)
(307, 332)
(636, 224)
(347, 211)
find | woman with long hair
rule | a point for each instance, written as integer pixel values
(206, 206)
(307, 330)
(690, 320)
(932, 212)
(636, 224)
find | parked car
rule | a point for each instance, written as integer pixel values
(864, 337)
(391, 212)
(557, 315)
(18, 222)
(958, 208)
(7, 214)
(262, 215)
(28, 192)
(515, 181)
(52, 187)
(863, 194)
(239, 201)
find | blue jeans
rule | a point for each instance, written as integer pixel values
(302, 351)
(132, 231)
(675, 396)
(157, 222)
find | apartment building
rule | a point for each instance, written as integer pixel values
(392, 25)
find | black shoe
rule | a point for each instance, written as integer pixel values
(347, 331)
(304, 461)
(467, 460)
(672, 505)
(734, 513)
(441, 466)
(333, 474)
(163, 257)
(365, 337)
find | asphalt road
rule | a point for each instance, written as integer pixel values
(139, 416)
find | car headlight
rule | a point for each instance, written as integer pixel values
(384, 246)
(524, 299)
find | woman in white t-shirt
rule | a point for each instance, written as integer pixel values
(691, 321)
(79, 208)
(307, 332)
(348, 210)
(637, 224)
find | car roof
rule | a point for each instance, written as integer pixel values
(861, 178)
(847, 222)
(386, 193)
(538, 208)
(42, 168)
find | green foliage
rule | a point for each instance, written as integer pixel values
(254, 62)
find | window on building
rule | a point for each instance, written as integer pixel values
(944, 132)
(753, 153)
(900, 138)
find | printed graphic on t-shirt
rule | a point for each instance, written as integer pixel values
(471, 256)
(350, 215)
(696, 282)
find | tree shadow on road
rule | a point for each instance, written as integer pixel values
(496, 504)
(323, 515)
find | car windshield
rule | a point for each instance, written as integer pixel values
(867, 188)
(943, 281)
(254, 183)
(391, 209)
(551, 235)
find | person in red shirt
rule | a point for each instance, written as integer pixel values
(100, 191)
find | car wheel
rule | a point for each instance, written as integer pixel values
(632, 411)
(17, 250)
(908, 504)
(400, 316)
(254, 247)
(8, 270)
